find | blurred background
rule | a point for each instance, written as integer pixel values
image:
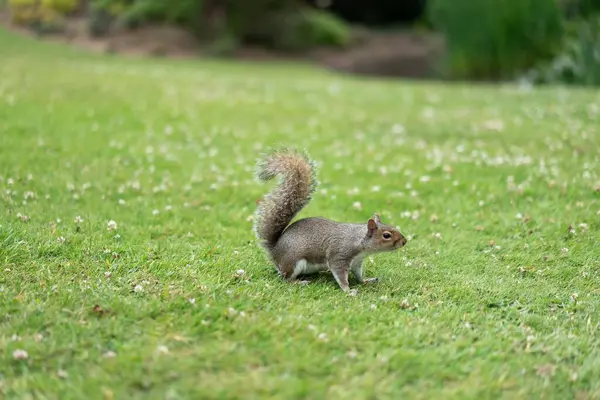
(533, 41)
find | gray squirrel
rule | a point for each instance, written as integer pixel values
(313, 244)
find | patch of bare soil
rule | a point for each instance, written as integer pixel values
(161, 40)
(398, 54)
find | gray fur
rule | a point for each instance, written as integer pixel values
(312, 241)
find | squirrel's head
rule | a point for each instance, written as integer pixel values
(383, 237)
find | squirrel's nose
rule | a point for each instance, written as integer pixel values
(401, 241)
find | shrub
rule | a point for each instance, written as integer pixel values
(102, 14)
(321, 28)
(299, 29)
(111, 7)
(496, 38)
(579, 8)
(180, 12)
(280, 24)
(99, 22)
(579, 61)
(61, 6)
(40, 13)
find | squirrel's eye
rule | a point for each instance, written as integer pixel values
(387, 235)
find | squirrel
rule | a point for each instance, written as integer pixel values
(313, 244)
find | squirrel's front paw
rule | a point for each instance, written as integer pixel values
(303, 283)
(353, 292)
(371, 280)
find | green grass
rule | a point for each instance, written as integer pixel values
(106, 139)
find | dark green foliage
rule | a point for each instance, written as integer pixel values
(100, 21)
(579, 8)
(300, 30)
(41, 27)
(284, 25)
(245, 17)
(321, 28)
(181, 12)
(578, 62)
(496, 38)
(588, 54)
(280, 24)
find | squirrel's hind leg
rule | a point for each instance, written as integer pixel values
(291, 272)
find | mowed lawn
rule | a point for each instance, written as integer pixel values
(126, 203)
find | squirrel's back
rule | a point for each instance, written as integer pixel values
(311, 239)
(294, 191)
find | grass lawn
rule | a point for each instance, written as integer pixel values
(126, 202)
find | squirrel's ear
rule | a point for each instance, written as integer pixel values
(376, 218)
(372, 227)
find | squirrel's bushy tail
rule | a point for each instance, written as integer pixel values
(294, 191)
